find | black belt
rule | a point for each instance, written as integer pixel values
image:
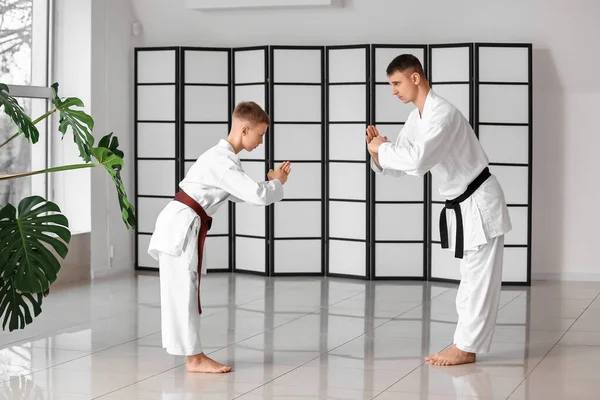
(454, 204)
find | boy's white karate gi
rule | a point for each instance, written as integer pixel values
(217, 176)
(443, 142)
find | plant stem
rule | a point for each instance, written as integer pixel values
(19, 132)
(48, 170)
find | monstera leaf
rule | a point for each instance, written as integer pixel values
(111, 158)
(80, 123)
(17, 114)
(24, 257)
(15, 305)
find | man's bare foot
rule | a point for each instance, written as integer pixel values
(451, 356)
(201, 363)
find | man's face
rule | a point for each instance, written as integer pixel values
(254, 135)
(405, 85)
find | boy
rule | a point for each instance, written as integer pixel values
(178, 239)
(438, 138)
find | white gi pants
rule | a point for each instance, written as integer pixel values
(479, 296)
(180, 321)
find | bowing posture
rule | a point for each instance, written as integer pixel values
(181, 227)
(438, 138)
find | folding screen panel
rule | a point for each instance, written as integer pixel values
(297, 93)
(450, 74)
(348, 167)
(205, 115)
(251, 227)
(398, 225)
(503, 120)
(156, 140)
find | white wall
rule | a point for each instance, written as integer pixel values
(112, 109)
(71, 64)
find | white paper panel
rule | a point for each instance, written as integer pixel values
(187, 166)
(304, 181)
(404, 188)
(398, 259)
(250, 254)
(347, 65)
(297, 256)
(347, 258)
(255, 170)
(156, 140)
(144, 259)
(201, 137)
(217, 252)
(503, 103)
(297, 142)
(515, 264)
(347, 181)
(250, 66)
(347, 220)
(383, 57)
(206, 103)
(399, 222)
(497, 64)
(297, 103)
(256, 154)
(348, 103)
(436, 210)
(458, 95)
(514, 183)
(147, 212)
(389, 108)
(156, 177)
(347, 142)
(301, 66)
(156, 103)
(505, 144)
(255, 93)
(450, 64)
(206, 66)
(390, 131)
(249, 219)
(298, 219)
(518, 218)
(220, 224)
(156, 66)
(443, 263)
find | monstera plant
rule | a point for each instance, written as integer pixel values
(29, 231)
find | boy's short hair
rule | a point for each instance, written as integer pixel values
(251, 112)
(404, 62)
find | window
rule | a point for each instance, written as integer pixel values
(24, 60)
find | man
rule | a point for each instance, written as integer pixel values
(438, 138)
(181, 227)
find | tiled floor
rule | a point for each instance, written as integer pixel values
(304, 338)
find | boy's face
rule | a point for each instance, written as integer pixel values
(253, 135)
(405, 85)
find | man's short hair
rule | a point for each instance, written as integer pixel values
(403, 63)
(251, 112)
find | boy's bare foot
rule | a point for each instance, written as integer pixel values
(202, 364)
(451, 356)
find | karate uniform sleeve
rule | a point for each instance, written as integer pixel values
(243, 188)
(388, 171)
(424, 153)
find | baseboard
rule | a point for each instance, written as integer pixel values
(567, 276)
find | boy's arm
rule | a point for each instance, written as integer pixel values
(243, 188)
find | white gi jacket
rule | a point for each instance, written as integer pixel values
(215, 177)
(443, 142)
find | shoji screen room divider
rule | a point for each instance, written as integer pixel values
(338, 218)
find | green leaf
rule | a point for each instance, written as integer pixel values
(23, 239)
(15, 305)
(108, 154)
(80, 123)
(14, 110)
